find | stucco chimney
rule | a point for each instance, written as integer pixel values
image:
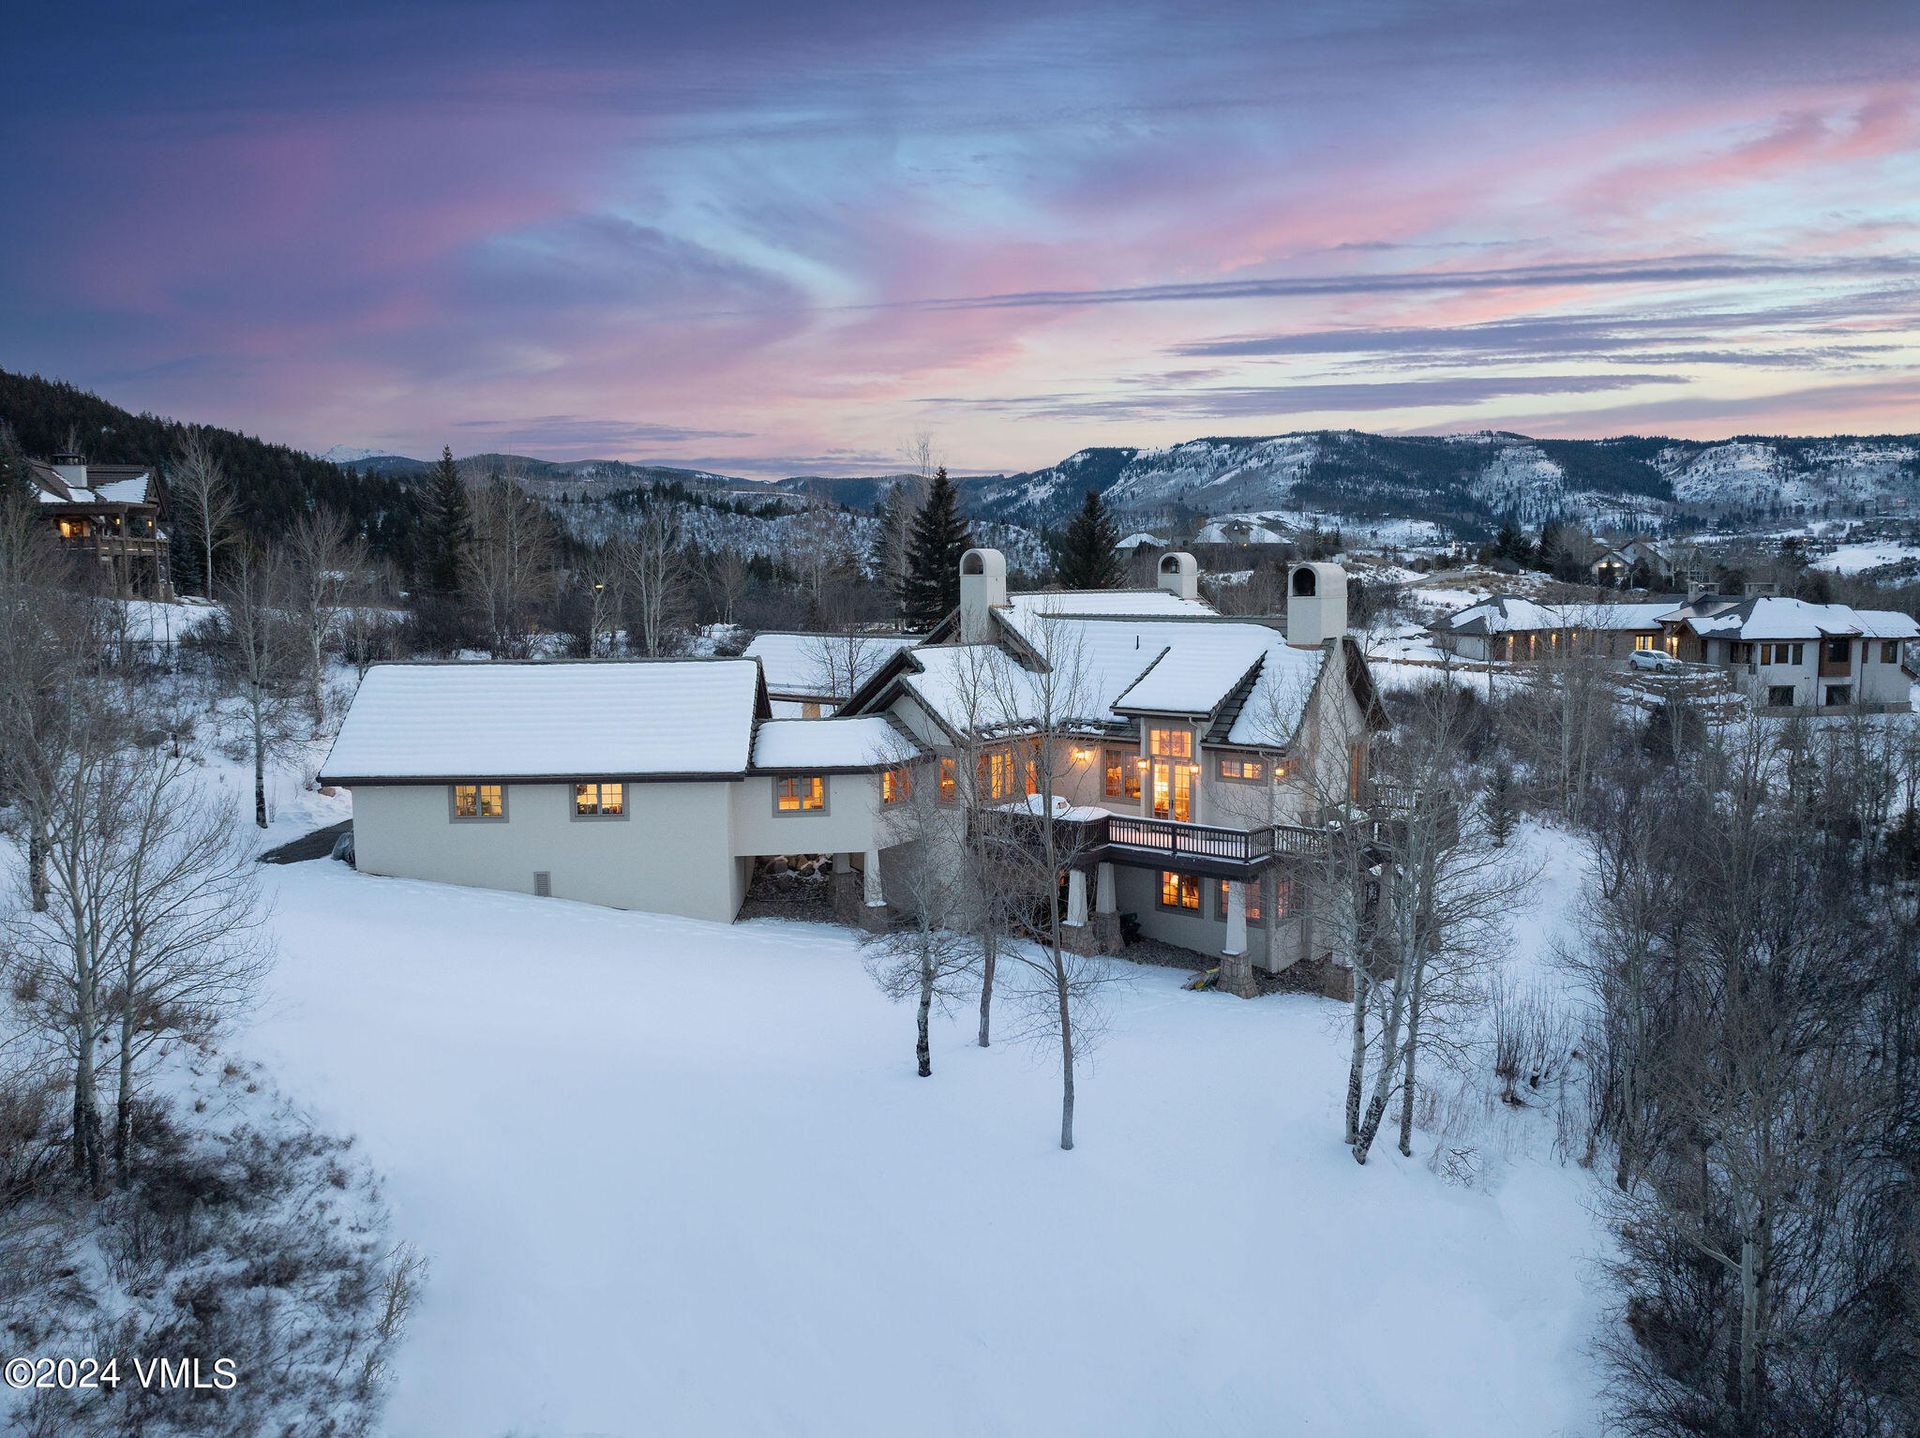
(1316, 604)
(983, 588)
(1180, 575)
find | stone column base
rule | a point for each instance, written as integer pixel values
(1106, 933)
(873, 918)
(849, 898)
(1079, 939)
(1236, 975)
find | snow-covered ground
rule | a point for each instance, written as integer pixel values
(1854, 558)
(677, 1177)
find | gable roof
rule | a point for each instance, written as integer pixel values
(546, 720)
(1509, 613)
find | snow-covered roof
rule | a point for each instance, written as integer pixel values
(1507, 613)
(866, 742)
(1772, 617)
(823, 666)
(123, 491)
(1136, 541)
(1144, 603)
(548, 720)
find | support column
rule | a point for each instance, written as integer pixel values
(1236, 966)
(870, 888)
(844, 886)
(1106, 911)
(1077, 898)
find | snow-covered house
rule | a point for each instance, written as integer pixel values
(1201, 760)
(1677, 563)
(1788, 654)
(1196, 758)
(640, 784)
(810, 675)
(1510, 629)
(109, 516)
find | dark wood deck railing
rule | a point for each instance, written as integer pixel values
(1204, 841)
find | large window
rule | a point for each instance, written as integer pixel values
(1255, 914)
(1179, 891)
(1838, 651)
(600, 799)
(949, 787)
(800, 794)
(896, 784)
(1123, 774)
(1779, 696)
(1646, 641)
(479, 801)
(1170, 743)
(1889, 652)
(1243, 771)
(1784, 653)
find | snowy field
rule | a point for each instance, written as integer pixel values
(676, 1177)
(1856, 558)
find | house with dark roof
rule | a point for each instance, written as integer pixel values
(108, 517)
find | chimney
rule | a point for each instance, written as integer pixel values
(71, 467)
(1316, 604)
(983, 588)
(1180, 575)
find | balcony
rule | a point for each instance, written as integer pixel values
(1197, 848)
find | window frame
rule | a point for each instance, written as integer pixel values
(1180, 887)
(948, 785)
(896, 785)
(479, 786)
(1889, 651)
(1773, 699)
(598, 815)
(800, 810)
(1256, 910)
(1126, 763)
(1829, 702)
(1259, 766)
(1180, 745)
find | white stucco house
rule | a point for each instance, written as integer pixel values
(1197, 759)
(809, 676)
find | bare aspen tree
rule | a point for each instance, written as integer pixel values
(726, 576)
(188, 946)
(1037, 839)
(843, 662)
(262, 653)
(1424, 891)
(42, 651)
(928, 957)
(654, 575)
(203, 501)
(326, 562)
(989, 904)
(510, 563)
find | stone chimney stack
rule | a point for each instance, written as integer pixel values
(1316, 604)
(1180, 575)
(983, 588)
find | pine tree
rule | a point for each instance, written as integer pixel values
(446, 528)
(1501, 814)
(930, 589)
(16, 484)
(1087, 559)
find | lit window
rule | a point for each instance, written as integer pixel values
(1170, 743)
(948, 784)
(1179, 891)
(997, 769)
(799, 793)
(1033, 776)
(1245, 770)
(1646, 641)
(1123, 774)
(1254, 914)
(810, 709)
(600, 799)
(479, 801)
(896, 784)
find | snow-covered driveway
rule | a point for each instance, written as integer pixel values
(678, 1178)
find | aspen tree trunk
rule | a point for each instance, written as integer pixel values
(37, 855)
(87, 1165)
(1357, 1059)
(123, 1102)
(259, 761)
(1407, 1075)
(1066, 1052)
(989, 956)
(923, 1048)
(1749, 1353)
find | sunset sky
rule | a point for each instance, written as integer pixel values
(775, 238)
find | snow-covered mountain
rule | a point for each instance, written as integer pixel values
(1469, 482)
(354, 454)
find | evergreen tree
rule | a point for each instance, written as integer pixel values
(446, 528)
(930, 590)
(16, 484)
(1086, 558)
(1501, 816)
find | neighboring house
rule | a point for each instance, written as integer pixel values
(1787, 654)
(1243, 529)
(1784, 654)
(1675, 564)
(811, 675)
(1509, 629)
(108, 516)
(1204, 761)
(640, 784)
(1141, 543)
